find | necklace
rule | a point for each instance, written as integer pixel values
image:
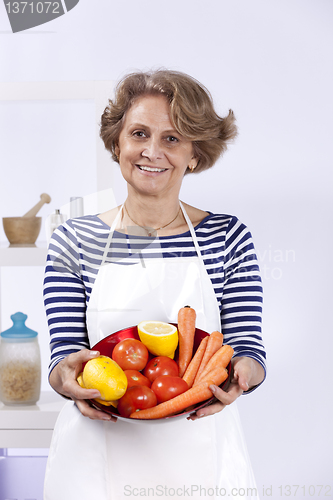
(147, 229)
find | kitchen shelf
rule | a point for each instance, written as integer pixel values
(23, 256)
(30, 426)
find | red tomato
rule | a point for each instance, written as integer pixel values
(135, 398)
(167, 387)
(134, 377)
(161, 365)
(130, 354)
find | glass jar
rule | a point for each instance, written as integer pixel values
(20, 364)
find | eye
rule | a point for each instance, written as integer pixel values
(139, 133)
(172, 138)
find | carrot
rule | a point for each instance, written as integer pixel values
(175, 405)
(220, 359)
(215, 341)
(193, 367)
(186, 331)
(217, 375)
(195, 395)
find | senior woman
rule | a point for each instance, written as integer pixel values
(145, 260)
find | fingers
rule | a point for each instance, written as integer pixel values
(248, 372)
(76, 359)
(242, 380)
(92, 413)
(209, 410)
(75, 391)
(80, 395)
(63, 379)
(242, 373)
(239, 384)
(64, 374)
(224, 399)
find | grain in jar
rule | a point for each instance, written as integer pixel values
(20, 365)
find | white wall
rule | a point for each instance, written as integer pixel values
(271, 62)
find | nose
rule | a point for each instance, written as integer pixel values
(152, 149)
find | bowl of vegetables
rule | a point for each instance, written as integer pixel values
(157, 390)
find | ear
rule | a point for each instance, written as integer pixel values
(117, 150)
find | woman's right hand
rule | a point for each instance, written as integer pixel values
(63, 380)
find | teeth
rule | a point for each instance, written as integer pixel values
(151, 169)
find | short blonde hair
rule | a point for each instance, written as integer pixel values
(192, 113)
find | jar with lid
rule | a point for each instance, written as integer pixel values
(20, 364)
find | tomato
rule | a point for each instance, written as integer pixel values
(135, 398)
(130, 354)
(134, 377)
(161, 365)
(167, 387)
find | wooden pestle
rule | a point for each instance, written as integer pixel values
(44, 198)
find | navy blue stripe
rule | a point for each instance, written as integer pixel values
(65, 329)
(76, 251)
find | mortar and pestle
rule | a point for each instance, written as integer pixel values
(24, 231)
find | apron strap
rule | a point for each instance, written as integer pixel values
(191, 228)
(186, 217)
(112, 230)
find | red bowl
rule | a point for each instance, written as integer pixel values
(106, 346)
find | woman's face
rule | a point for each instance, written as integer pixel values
(153, 156)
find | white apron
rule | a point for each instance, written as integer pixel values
(92, 459)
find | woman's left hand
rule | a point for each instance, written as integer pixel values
(247, 374)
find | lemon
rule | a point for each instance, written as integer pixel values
(105, 403)
(80, 380)
(161, 339)
(106, 376)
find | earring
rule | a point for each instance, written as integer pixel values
(192, 167)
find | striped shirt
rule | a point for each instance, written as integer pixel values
(76, 253)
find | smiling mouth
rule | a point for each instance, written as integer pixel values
(150, 169)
